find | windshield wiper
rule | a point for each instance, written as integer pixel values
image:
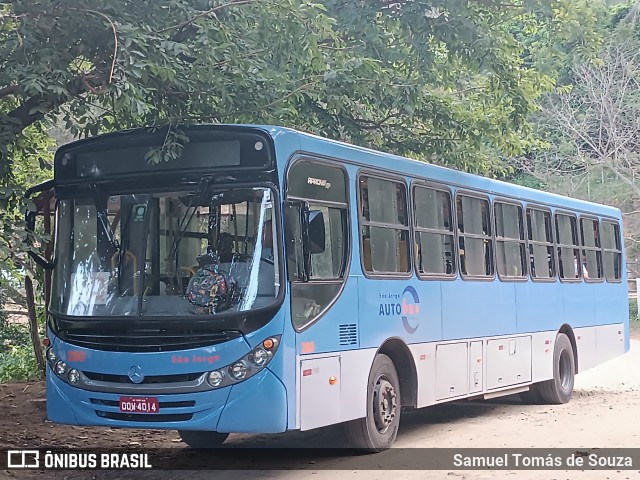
(194, 202)
(101, 211)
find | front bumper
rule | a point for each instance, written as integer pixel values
(256, 405)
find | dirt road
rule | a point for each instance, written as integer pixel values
(602, 413)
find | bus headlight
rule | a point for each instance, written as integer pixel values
(260, 357)
(67, 374)
(246, 367)
(215, 378)
(61, 367)
(51, 356)
(238, 370)
(73, 376)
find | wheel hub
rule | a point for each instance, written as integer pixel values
(384, 404)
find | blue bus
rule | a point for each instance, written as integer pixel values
(272, 280)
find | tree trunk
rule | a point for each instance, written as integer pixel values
(33, 323)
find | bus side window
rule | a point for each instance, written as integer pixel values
(384, 226)
(591, 260)
(568, 247)
(540, 235)
(475, 245)
(611, 251)
(510, 244)
(434, 234)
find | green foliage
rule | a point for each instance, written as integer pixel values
(563, 33)
(443, 81)
(633, 310)
(17, 361)
(30, 163)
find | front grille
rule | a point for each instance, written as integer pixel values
(142, 341)
(140, 335)
(146, 417)
(105, 377)
(116, 403)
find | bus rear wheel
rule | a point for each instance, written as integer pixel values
(378, 430)
(202, 439)
(559, 389)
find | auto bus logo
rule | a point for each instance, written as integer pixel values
(406, 306)
(410, 309)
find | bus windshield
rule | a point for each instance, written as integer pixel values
(176, 253)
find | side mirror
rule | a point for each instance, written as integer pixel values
(30, 221)
(316, 231)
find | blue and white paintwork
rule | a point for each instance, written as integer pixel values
(451, 312)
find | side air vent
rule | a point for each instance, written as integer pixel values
(348, 334)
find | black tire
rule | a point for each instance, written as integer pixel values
(378, 430)
(202, 439)
(531, 397)
(559, 389)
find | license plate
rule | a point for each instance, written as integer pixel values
(139, 405)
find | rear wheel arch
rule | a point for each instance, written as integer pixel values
(568, 331)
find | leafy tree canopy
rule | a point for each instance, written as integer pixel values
(440, 79)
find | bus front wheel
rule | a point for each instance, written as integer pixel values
(559, 389)
(378, 430)
(202, 439)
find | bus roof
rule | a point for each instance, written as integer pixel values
(367, 157)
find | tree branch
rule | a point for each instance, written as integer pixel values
(8, 90)
(204, 14)
(115, 41)
(34, 108)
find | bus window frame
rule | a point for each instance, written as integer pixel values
(554, 245)
(515, 203)
(331, 162)
(368, 172)
(614, 222)
(416, 183)
(575, 216)
(480, 196)
(583, 248)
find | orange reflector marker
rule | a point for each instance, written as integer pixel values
(76, 356)
(46, 342)
(307, 347)
(268, 344)
(333, 380)
(306, 373)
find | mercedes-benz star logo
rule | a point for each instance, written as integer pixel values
(135, 374)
